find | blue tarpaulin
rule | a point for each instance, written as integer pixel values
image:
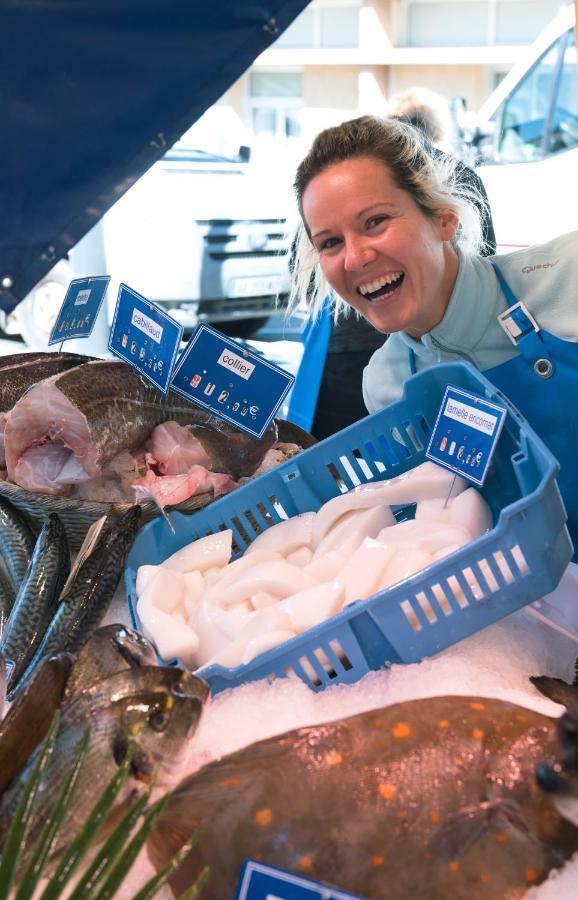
(92, 93)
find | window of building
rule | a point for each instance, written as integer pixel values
(323, 24)
(450, 23)
(275, 100)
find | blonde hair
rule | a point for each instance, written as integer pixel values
(425, 110)
(430, 177)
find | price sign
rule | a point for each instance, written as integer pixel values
(465, 434)
(230, 381)
(146, 337)
(79, 309)
(262, 882)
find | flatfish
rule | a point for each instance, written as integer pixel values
(432, 798)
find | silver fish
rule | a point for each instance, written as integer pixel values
(37, 598)
(86, 600)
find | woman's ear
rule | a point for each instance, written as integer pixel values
(449, 223)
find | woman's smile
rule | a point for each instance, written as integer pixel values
(378, 249)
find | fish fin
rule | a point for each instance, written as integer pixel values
(470, 824)
(26, 723)
(555, 689)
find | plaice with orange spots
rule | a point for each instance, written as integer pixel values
(420, 799)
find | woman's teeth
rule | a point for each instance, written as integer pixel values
(381, 287)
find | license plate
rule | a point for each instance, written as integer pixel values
(254, 287)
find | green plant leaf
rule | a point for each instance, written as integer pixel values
(75, 851)
(157, 881)
(122, 867)
(22, 815)
(195, 889)
(58, 813)
(110, 852)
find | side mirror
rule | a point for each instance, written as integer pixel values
(244, 153)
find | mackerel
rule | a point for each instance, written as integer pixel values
(37, 598)
(86, 600)
(16, 544)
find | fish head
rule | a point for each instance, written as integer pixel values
(558, 777)
(133, 646)
(156, 721)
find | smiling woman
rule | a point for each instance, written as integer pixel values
(395, 233)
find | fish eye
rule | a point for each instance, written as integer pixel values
(158, 721)
(178, 690)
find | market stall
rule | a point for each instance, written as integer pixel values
(319, 654)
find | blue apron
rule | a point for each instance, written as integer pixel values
(542, 382)
(303, 397)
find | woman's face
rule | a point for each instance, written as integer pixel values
(378, 250)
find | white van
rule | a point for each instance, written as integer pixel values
(203, 233)
(527, 141)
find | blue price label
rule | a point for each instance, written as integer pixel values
(261, 882)
(79, 309)
(230, 381)
(145, 337)
(466, 433)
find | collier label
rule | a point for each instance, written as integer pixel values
(230, 381)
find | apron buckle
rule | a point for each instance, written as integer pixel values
(517, 321)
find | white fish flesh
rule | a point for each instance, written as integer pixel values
(363, 575)
(204, 553)
(285, 537)
(426, 481)
(313, 605)
(275, 577)
(468, 510)
(346, 536)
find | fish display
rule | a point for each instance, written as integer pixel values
(100, 421)
(200, 607)
(149, 713)
(37, 598)
(432, 798)
(86, 599)
(16, 545)
(58, 679)
(19, 371)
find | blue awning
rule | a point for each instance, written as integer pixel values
(92, 93)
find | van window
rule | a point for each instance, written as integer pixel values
(564, 124)
(524, 115)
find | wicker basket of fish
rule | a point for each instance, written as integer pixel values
(84, 438)
(357, 553)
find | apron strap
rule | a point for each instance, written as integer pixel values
(523, 330)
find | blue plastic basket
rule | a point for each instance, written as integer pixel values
(521, 559)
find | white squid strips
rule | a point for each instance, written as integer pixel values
(404, 563)
(468, 511)
(430, 536)
(275, 577)
(258, 633)
(427, 481)
(164, 590)
(313, 605)
(285, 537)
(213, 551)
(346, 536)
(363, 574)
(172, 637)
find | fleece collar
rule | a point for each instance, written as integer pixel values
(475, 302)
